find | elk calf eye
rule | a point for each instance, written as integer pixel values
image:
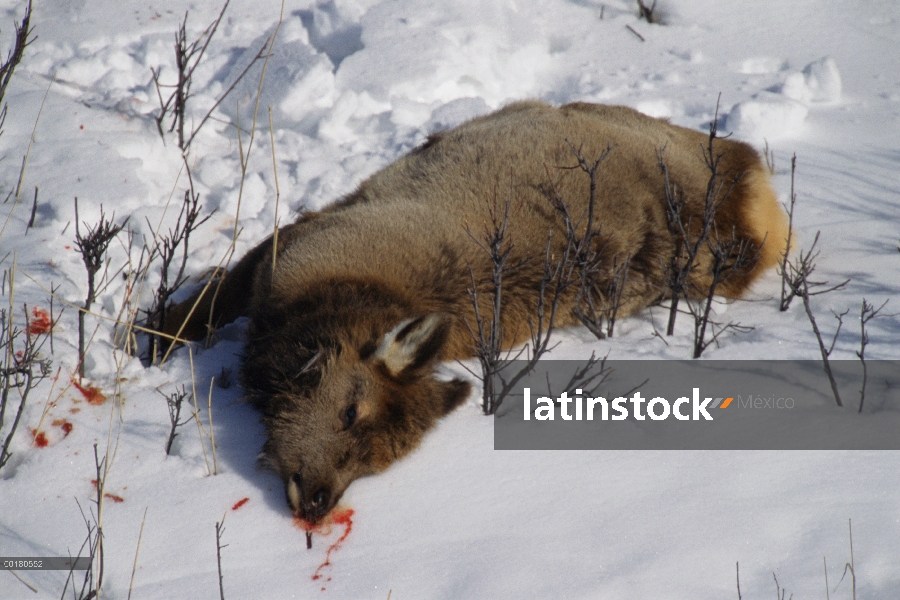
(349, 416)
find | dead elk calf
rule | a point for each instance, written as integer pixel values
(367, 296)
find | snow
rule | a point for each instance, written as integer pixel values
(352, 85)
(766, 116)
(820, 81)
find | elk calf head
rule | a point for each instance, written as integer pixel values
(352, 411)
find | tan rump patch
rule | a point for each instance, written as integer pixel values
(766, 219)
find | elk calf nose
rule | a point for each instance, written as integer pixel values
(320, 499)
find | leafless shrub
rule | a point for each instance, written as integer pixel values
(579, 267)
(589, 270)
(93, 246)
(487, 330)
(867, 312)
(796, 282)
(188, 55)
(825, 352)
(795, 276)
(174, 401)
(14, 56)
(21, 370)
(730, 256)
(171, 274)
(692, 237)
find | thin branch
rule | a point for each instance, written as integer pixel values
(867, 312)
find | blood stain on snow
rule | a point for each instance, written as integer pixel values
(342, 517)
(92, 394)
(240, 503)
(114, 497)
(64, 425)
(40, 322)
(40, 438)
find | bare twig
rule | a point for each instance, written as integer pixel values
(866, 313)
(769, 156)
(23, 582)
(136, 552)
(34, 205)
(277, 196)
(825, 352)
(646, 12)
(93, 576)
(779, 591)
(632, 30)
(850, 566)
(788, 285)
(220, 529)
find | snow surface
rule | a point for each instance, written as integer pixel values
(352, 85)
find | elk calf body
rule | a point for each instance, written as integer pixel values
(367, 296)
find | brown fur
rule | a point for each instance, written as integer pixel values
(370, 293)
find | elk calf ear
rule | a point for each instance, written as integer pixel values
(413, 344)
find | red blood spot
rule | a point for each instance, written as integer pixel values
(114, 497)
(68, 247)
(64, 425)
(336, 517)
(240, 503)
(91, 394)
(40, 322)
(40, 438)
(81, 127)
